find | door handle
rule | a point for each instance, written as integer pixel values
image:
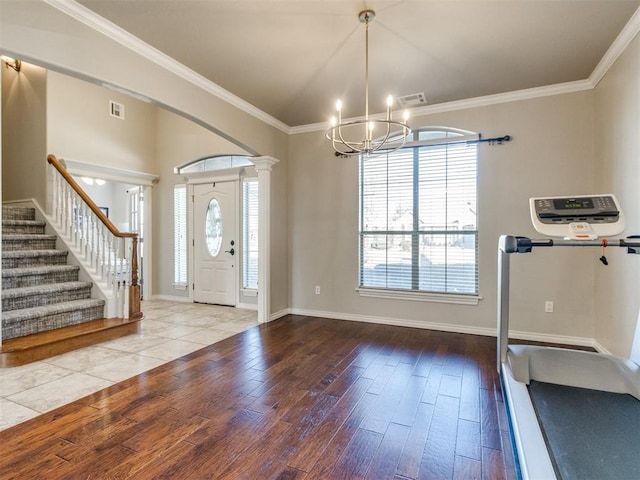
(232, 251)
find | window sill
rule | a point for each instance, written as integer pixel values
(179, 286)
(420, 296)
(249, 292)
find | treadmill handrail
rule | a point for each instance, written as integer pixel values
(508, 244)
(516, 244)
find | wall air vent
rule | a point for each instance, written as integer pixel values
(116, 109)
(413, 100)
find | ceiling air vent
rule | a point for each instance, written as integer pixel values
(413, 100)
(116, 109)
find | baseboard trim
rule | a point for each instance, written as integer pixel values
(397, 322)
(600, 348)
(561, 339)
(247, 306)
(171, 298)
(280, 314)
(447, 327)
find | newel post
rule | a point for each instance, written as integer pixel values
(134, 288)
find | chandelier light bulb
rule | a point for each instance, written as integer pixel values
(405, 115)
(389, 101)
(339, 105)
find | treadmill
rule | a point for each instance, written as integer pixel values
(572, 414)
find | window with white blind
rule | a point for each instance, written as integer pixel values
(418, 229)
(250, 233)
(180, 235)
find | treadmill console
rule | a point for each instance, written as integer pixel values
(581, 218)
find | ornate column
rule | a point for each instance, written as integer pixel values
(263, 167)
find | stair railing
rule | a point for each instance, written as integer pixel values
(110, 254)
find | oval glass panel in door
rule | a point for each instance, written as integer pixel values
(213, 228)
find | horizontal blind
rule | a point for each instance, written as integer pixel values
(250, 234)
(180, 235)
(418, 219)
(448, 232)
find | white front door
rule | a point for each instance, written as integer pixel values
(214, 243)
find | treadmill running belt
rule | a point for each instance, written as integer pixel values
(590, 434)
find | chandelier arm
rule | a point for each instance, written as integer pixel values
(349, 149)
(406, 131)
(353, 146)
(335, 134)
(386, 137)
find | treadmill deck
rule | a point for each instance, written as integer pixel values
(590, 434)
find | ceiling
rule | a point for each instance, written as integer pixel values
(294, 58)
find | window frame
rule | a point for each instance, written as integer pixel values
(451, 136)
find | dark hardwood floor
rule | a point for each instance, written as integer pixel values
(298, 398)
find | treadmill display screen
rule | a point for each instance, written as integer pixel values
(572, 203)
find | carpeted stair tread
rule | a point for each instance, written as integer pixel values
(40, 295)
(38, 270)
(28, 241)
(18, 213)
(18, 323)
(27, 236)
(34, 253)
(38, 275)
(32, 258)
(63, 307)
(44, 289)
(10, 227)
(14, 222)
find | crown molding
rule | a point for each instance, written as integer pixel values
(487, 100)
(124, 38)
(622, 41)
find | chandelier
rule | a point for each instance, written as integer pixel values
(371, 134)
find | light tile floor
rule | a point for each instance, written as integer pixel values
(168, 331)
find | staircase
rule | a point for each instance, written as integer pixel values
(43, 301)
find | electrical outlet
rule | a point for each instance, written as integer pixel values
(317, 289)
(548, 306)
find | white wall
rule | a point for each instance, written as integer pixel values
(617, 288)
(551, 153)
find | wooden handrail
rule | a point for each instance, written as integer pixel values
(94, 208)
(134, 288)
